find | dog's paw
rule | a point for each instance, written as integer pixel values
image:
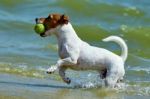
(67, 80)
(51, 70)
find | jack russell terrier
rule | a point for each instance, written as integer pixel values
(79, 55)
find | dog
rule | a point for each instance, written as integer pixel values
(76, 54)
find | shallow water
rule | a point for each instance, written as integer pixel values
(24, 56)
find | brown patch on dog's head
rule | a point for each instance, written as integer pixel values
(53, 20)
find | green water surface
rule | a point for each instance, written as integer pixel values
(24, 55)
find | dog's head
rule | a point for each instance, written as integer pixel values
(51, 23)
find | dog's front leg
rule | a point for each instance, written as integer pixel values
(73, 55)
(60, 63)
(66, 62)
(52, 69)
(63, 76)
(71, 60)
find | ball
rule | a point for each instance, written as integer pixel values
(39, 28)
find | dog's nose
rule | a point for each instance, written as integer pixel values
(36, 20)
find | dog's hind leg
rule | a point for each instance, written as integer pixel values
(63, 76)
(111, 79)
(120, 80)
(103, 73)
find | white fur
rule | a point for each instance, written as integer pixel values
(79, 55)
(118, 40)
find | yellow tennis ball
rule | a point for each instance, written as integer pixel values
(39, 28)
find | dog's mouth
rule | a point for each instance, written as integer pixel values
(43, 34)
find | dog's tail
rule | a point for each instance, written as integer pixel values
(122, 44)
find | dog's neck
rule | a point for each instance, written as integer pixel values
(66, 36)
(66, 32)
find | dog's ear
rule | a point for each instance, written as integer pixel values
(50, 16)
(64, 19)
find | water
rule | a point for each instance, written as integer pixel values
(24, 56)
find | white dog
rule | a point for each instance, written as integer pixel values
(79, 55)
